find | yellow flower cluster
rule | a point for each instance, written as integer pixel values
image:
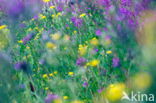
(50, 45)
(115, 92)
(55, 36)
(142, 81)
(2, 27)
(82, 49)
(93, 63)
(52, 7)
(109, 52)
(70, 73)
(82, 15)
(41, 16)
(4, 37)
(65, 97)
(56, 15)
(46, 1)
(94, 42)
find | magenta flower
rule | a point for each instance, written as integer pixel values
(100, 90)
(77, 21)
(108, 37)
(116, 62)
(85, 84)
(81, 61)
(98, 32)
(50, 98)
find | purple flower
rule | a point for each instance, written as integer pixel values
(126, 2)
(81, 61)
(98, 32)
(21, 66)
(96, 50)
(50, 98)
(116, 62)
(60, 8)
(100, 90)
(107, 37)
(28, 38)
(35, 17)
(85, 84)
(16, 8)
(22, 25)
(105, 3)
(77, 21)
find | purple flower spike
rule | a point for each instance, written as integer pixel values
(85, 84)
(116, 62)
(81, 61)
(50, 98)
(98, 32)
(77, 21)
(27, 38)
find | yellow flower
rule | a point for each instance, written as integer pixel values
(65, 97)
(57, 101)
(46, 1)
(50, 45)
(115, 92)
(71, 73)
(42, 16)
(142, 81)
(2, 27)
(82, 15)
(82, 50)
(46, 88)
(55, 72)
(53, 16)
(4, 38)
(52, 7)
(32, 19)
(58, 14)
(94, 41)
(29, 29)
(94, 63)
(55, 36)
(75, 32)
(109, 52)
(51, 74)
(27, 47)
(45, 76)
(77, 101)
(20, 41)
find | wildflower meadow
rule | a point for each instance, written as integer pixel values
(77, 51)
